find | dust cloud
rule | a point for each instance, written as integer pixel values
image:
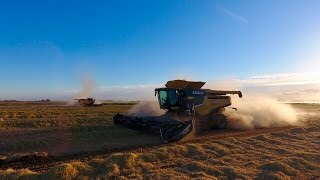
(88, 86)
(146, 108)
(255, 110)
(260, 111)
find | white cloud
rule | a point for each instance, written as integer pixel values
(133, 92)
(296, 87)
(285, 87)
(233, 15)
(293, 87)
(282, 79)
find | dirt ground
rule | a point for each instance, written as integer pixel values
(53, 141)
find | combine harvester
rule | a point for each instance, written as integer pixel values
(87, 102)
(185, 105)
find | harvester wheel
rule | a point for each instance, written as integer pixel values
(222, 122)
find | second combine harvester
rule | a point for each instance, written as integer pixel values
(185, 105)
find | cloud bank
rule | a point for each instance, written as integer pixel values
(289, 87)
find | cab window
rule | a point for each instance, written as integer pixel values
(172, 94)
(163, 96)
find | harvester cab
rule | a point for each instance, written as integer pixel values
(180, 97)
(185, 104)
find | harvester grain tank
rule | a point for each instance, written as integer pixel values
(187, 107)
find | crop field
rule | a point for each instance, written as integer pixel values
(56, 141)
(58, 129)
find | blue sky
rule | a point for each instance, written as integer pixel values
(47, 46)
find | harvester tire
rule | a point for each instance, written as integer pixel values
(222, 122)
